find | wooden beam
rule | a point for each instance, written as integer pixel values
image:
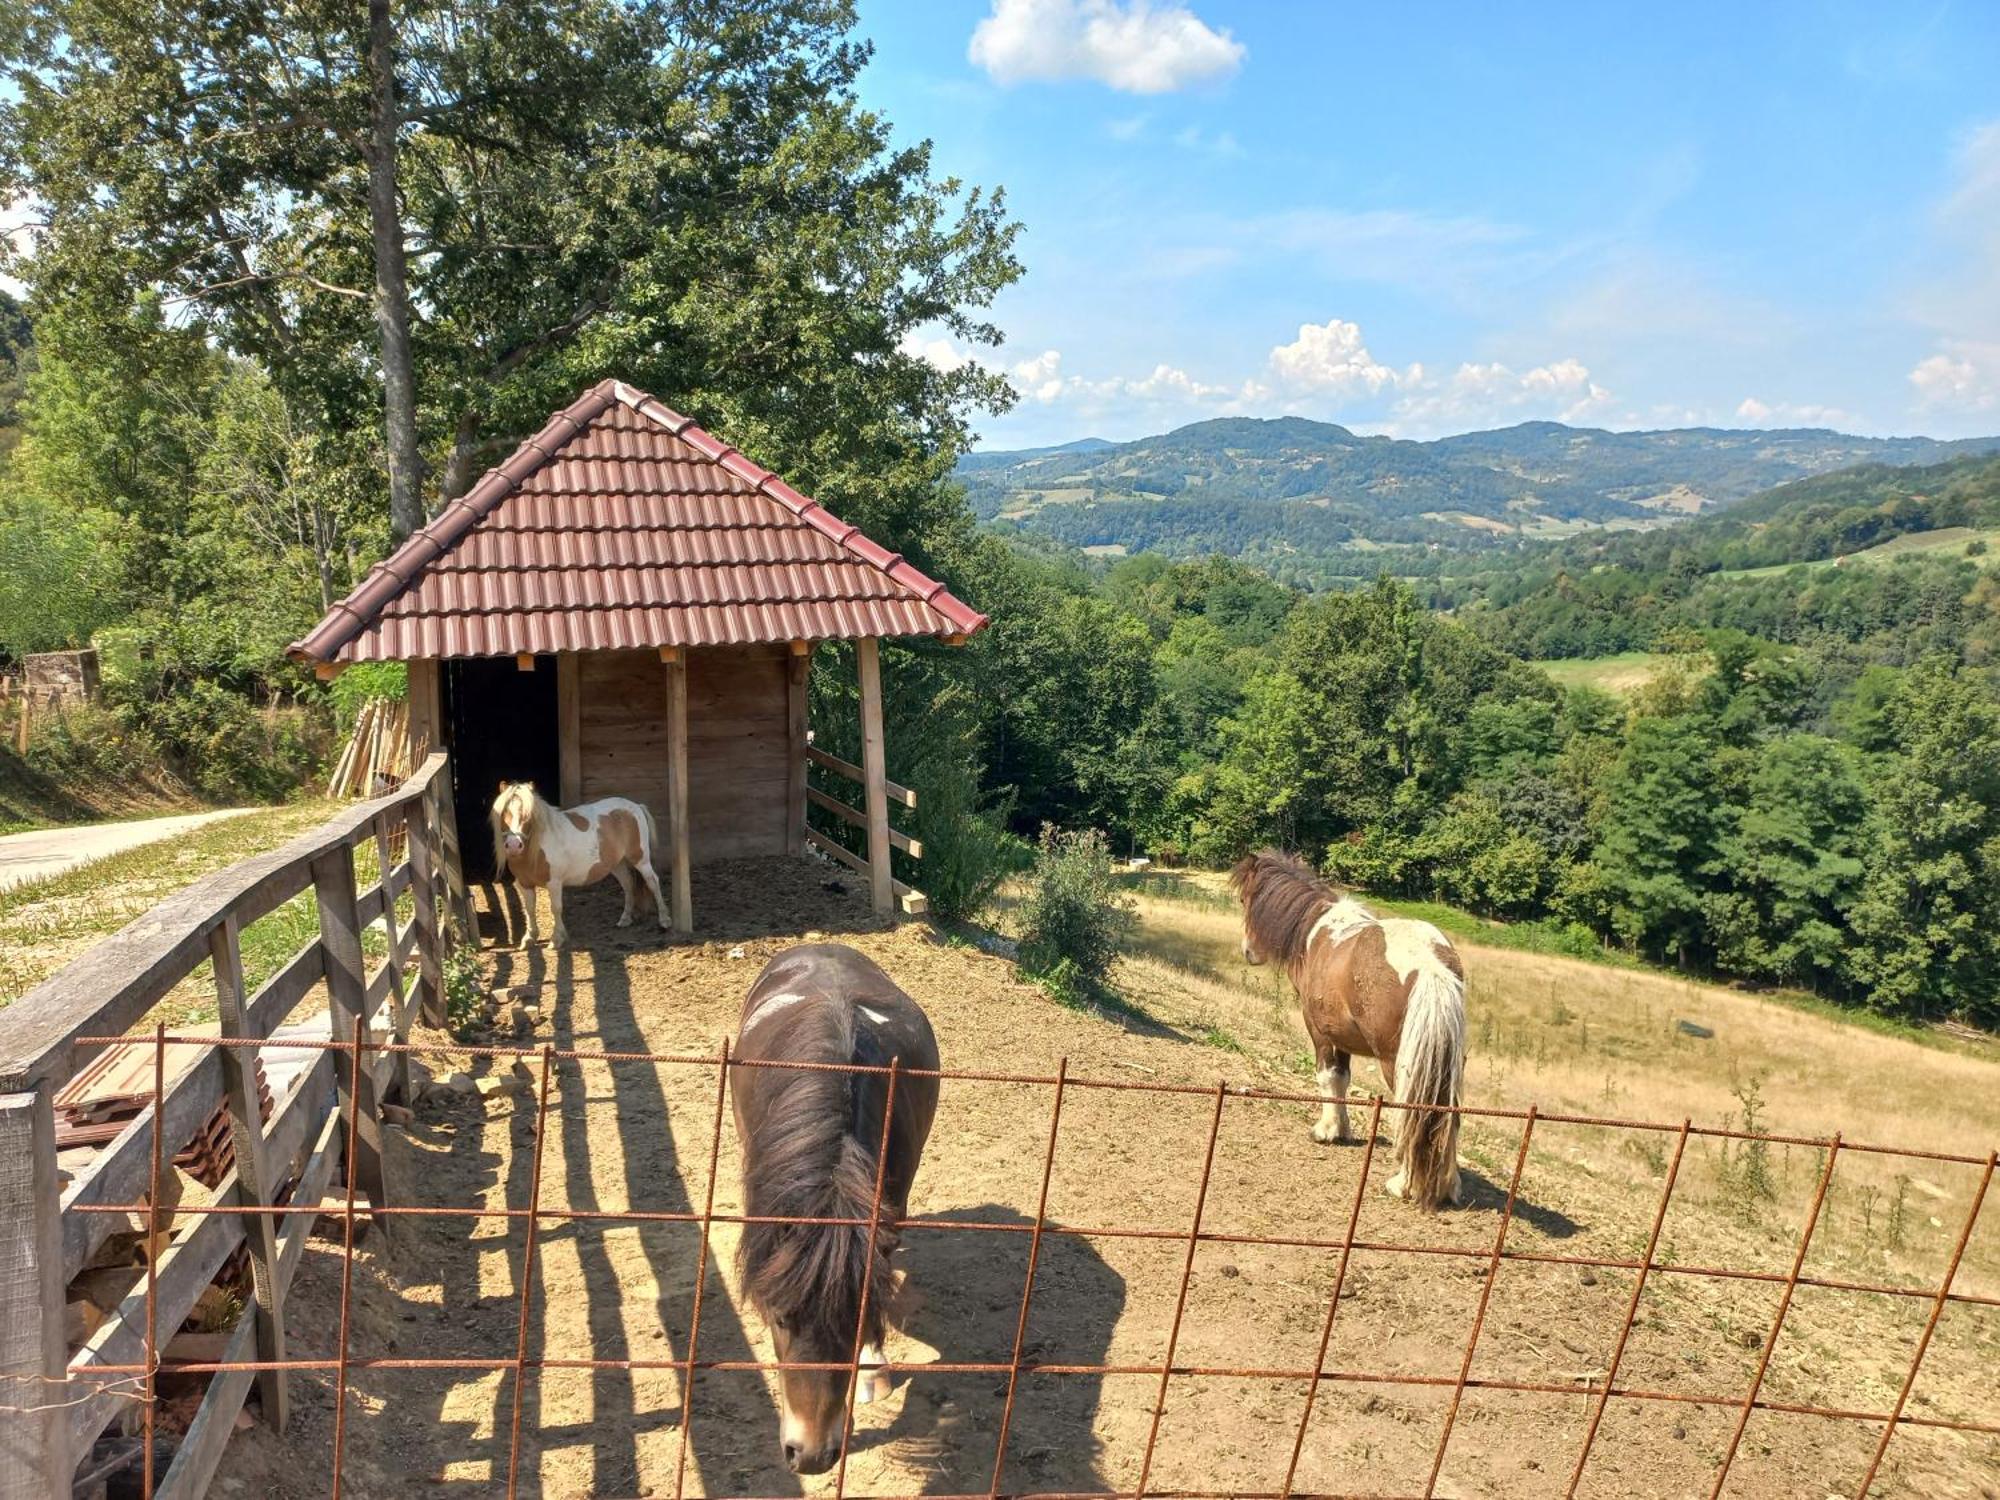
(677, 791)
(326, 671)
(347, 993)
(524, 661)
(424, 694)
(798, 675)
(874, 758)
(424, 891)
(37, 1461)
(835, 850)
(569, 729)
(670, 654)
(256, 1182)
(831, 762)
(913, 901)
(912, 847)
(399, 1012)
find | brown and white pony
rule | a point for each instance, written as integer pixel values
(811, 1139)
(1386, 988)
(539, 845)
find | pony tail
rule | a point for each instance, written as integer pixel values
(1430, 1069)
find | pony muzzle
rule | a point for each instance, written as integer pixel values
(514, 843)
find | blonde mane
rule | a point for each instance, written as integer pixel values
(532, 828)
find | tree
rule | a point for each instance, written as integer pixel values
(1662, 829)
(680, 192)
(1927, 919)
(1790, 863)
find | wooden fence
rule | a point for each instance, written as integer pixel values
(879, 792)
(55, 1404)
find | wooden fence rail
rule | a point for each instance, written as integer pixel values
(52, 1409)
(907, 897)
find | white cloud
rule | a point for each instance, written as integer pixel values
(1791, 414)
(1136, 46)
(1966, 378)
(938, 350)
(1479, 395)
(1332, 357)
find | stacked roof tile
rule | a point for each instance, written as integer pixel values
(623, 524)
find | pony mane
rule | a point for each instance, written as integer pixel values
(1282, 901)
(815, 1160)
(531, 830)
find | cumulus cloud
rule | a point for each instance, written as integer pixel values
(1480, 394)
(1966, 378)
(1137, 46)
(1791, 414)
(1332, 357)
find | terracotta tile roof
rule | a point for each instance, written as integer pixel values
(623, 524)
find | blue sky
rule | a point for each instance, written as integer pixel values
(1422, 219)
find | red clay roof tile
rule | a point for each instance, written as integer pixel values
(622, 524)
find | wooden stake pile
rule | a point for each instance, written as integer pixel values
(377, 757)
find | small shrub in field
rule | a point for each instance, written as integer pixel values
(1074, 917)
(464, 988)
(968, 851)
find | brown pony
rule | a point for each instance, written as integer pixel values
(811, 1140)
(542, 845)
(1388, 989)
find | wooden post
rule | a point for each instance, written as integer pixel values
(347, 992)
(569, 729)
(677, 790)
(424, 891)
(881, 881)
(27, 720)
(399, 1009)
(450, 864)
(256, 1179)
(35, 1458)
(798, 673)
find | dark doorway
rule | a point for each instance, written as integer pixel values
(503, 728)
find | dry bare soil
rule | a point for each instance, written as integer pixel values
(1569, 1036)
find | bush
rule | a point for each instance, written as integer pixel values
(363, 681)
(968, 851)
(1075, 916)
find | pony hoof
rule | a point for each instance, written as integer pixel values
(626, 920)
(1397, 1186)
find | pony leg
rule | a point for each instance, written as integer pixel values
(630, 888)
(652, 879)
(1333, 1076)
(556, 911)
(527, 895)
(875, 1384)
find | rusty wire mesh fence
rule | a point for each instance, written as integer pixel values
(1598, 1394)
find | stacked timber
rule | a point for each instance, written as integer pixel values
(377, 756)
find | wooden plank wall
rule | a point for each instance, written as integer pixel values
(738, 728)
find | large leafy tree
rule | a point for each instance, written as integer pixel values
(685, 193)
(1927, 920)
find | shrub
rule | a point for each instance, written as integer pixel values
(968, 851)
(1075, 916)
(363, 681)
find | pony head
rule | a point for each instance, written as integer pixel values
(516, 816)
(1282, 899)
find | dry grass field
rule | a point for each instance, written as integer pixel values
(1570, 1037)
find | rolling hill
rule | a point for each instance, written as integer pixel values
(1258, 487)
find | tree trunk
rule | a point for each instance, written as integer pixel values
(392, 294)
(457, 477)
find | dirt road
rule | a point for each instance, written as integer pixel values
(54, 851)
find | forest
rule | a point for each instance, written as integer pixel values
(208, 447)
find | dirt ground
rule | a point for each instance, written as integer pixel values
(638, 1136)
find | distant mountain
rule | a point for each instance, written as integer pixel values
(1291, 487)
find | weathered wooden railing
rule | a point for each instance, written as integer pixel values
(881, 835)
(885, 891)
(53, 1405)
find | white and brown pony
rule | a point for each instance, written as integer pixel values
(539, 845)
(811, 1139)
(1385, 988)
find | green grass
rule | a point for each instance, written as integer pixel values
(1626, 672)
(46, 923)
(1948, 541)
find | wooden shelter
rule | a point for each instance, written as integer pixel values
(628, 606)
